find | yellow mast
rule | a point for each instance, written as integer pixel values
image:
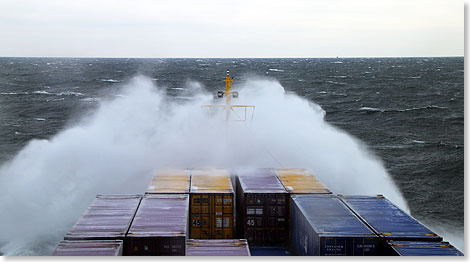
(228, 93)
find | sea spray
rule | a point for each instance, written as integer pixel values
(116, 149)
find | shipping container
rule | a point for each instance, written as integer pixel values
(300, 181)
(108, 217)
(217, 247)
(170, 181)
(323, 225)
(212, 204)
(387, 220)
(262, 207)
(159, 227)
(89, 248)
(410, 248)
(270, 251)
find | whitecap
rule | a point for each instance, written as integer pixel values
(110, 80)
(39, 119)
(42, 92)
(276, 70)
(70, 93)
(337, 62)
(371, 109)
(90, 99)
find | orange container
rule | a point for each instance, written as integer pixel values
(300, 181)
(211, 201)
(170, 181)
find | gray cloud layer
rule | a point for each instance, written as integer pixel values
(254, 28)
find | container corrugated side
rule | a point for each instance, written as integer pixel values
(262, 207)
(170, 181)
(211, 204)
(108, 217)
(388, 220)
(159, 227)
(300, 181)
(217, 247)
(323, 225)
(413, 248)
(89, 248)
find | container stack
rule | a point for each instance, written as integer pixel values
(159, 227)
(212, 207)
(283, 211)
(107, 218)
(217, 247)
(322, 225)
(262, 208)
(388, 221)
(89, 248)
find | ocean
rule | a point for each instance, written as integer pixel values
(408, 112)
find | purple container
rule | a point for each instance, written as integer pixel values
(217, 247)
(108, 217)
(159, 227)
(262, 208)
(89, 248)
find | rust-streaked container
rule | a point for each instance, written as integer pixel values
(89, 248)
(300, 181)
(169, 181)
(212, 204)
(108, 217)
(217, 247)
(262, 207)
(159, 227)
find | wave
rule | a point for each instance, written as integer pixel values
(42, 92)
(14, 93)
(373, 109)
(39, 119)
(110, 80)
(69, 93)
(276, 70)
(90, 99)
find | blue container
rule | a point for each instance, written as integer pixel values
(387, 220)
(269, 251)
(323, 226)
(408, 248)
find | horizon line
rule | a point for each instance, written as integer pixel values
(319, 57)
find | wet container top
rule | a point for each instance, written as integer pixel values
(387, 219)
(170, 181)
(161, 215)
(210, 181)
(407, 248)
(108, 217)
(259, 180)
(329, 216)
(89, 248)
(300, 181)
(219, 247)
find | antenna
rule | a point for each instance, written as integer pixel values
(229, 94)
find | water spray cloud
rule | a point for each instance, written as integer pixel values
(46, 187)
